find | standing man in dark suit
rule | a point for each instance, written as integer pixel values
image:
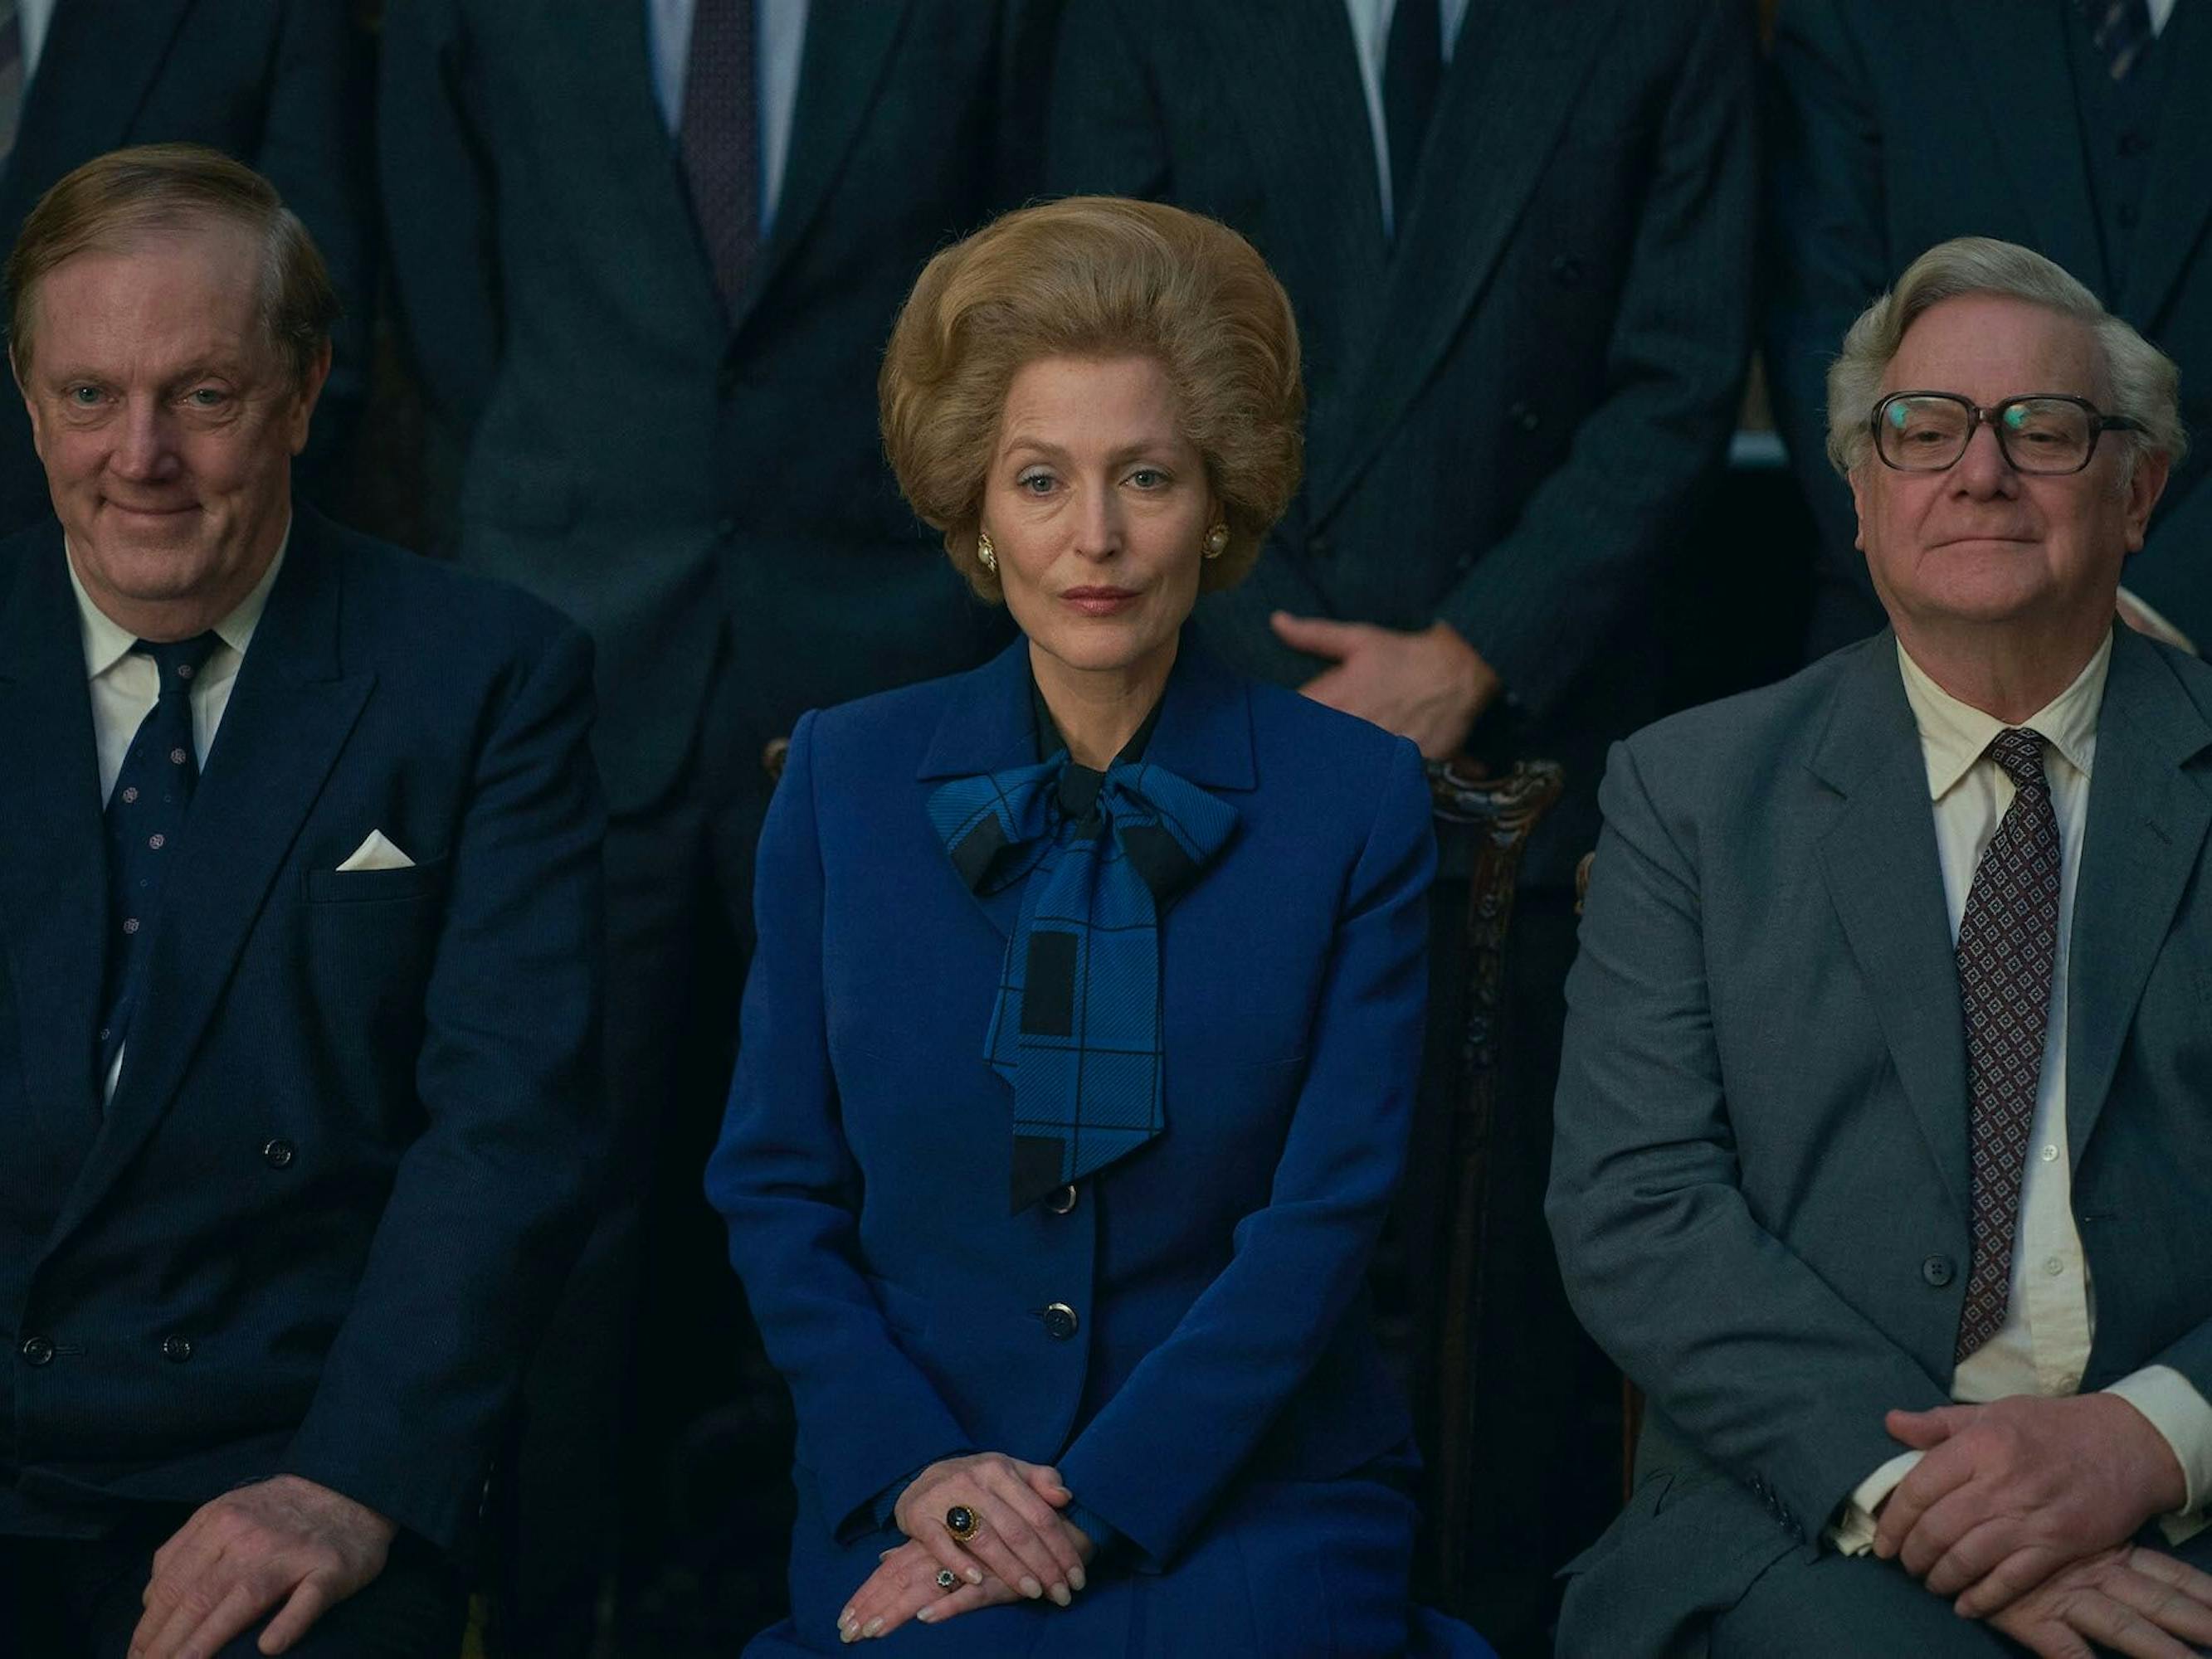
(649, 252)
(284, 86)
(2073, 127)
(1885, 1120)
(299, 971)
(1517, 238)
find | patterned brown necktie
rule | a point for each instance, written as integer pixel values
(719, 134)
(2008, 946)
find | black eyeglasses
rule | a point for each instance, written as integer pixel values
(2047, 432)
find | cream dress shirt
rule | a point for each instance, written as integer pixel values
(125, 686)
(2043, 1347)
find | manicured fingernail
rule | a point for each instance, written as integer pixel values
(846, 1633)
(927, 1614)
(1031, 1588)
(846, 1617)
(975, 1575)
(1077, 1580)
(1059, 1594)
(871, 1627)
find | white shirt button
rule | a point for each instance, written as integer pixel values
(2051, 1154)
(2054, 1265)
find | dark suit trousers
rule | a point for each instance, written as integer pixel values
(650, 1333)
(71, 1600)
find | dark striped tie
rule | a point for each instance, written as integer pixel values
(2122, 29)
(2008, 950)
(1412, 69)
(145, 822)
(720, 139)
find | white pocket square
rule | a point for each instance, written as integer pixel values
(376, 854)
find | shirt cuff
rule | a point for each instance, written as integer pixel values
(1853, 1532)
(2183, 1420)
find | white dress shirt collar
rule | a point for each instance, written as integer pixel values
(1954, 735)
(106, 641)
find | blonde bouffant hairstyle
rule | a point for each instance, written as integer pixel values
(1096, 276)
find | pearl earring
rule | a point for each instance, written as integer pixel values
(985, 555)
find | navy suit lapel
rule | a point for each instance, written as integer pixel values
(1511, 88)
(1204, 735)
(2021, 68)
(841, 65)
(53, 881)
(1294, 82)
(1883, 876)
(2143, 844)
(289, 714)
(2178, 196)
(94, 71)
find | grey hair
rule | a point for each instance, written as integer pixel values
(2141, 381)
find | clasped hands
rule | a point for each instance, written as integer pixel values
(1021, 1547)
(2022, 1509)
(1429, 686)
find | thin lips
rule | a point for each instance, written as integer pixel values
(1100, 594)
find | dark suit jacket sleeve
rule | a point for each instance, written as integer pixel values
(321, 102)
(1173, 1437)
(1595, 537)
(490, 1200)
(1827, 252)
(438, 205)
(1747, 1350)
(786, 1182)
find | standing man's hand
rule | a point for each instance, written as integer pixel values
(2010, 1493)
(1429, 686)
(284, 1543)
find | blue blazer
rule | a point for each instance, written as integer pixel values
(349, 1157)
(1221, 1333)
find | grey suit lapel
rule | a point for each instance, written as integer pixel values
(841, 65)
(1879, 862)
(2143, 841)
(2022, 75)
(1515, 73)
(2178, 196)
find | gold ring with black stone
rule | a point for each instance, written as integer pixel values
(960, 1522)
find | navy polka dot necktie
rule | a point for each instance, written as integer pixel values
(145, 822)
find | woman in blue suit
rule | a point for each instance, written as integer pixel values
(1080, 1040)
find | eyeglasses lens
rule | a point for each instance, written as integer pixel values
(2038, 434)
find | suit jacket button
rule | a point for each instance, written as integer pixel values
(176, 1349)
(1524, 417)
(1938, 1271)
(1060, 1321)
(1061, 1199)
(279, 1154)
(1319, 547)
(1566, 270)
(38, 1350)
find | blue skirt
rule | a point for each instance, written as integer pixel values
(1284, 1568)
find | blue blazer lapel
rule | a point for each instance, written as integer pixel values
(1879, 860)
(289, 716)
(2143, 844)
(53, 881)
(1509, 96)
(2019, 56)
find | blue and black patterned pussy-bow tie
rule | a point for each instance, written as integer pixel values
(1076, 1028)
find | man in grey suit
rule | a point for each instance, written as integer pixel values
(1891, 1036)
